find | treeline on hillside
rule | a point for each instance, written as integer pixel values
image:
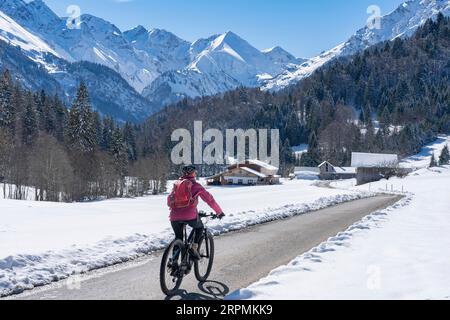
(403, 85)
(61, 154)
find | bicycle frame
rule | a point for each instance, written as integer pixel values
(188, 242)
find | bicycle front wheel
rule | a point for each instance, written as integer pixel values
(204, 266)
(171, 274)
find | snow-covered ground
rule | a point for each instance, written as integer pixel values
(398, 253)
(45, 242)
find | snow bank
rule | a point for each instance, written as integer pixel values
(397, 253)
(45, 242)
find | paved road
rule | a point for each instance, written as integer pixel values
(241, 258)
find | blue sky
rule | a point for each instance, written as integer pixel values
(303, 27)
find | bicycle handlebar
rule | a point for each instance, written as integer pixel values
(203, 214)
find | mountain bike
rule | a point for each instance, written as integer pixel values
(177, 261)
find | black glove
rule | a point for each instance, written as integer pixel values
(221, 216)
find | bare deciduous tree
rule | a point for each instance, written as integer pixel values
(5, 157)
(50, 170)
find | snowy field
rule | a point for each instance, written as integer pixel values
(45, 242)
(398, 253)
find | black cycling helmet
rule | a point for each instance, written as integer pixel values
(188, 170)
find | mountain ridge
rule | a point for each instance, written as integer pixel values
(156, 63)
(401, 22)
(164, 68)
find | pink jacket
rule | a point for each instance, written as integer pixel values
(191, 213)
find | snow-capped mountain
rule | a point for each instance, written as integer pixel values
(37, 65)
(15, 35)
(402, 22)
(97, 40)
(281, 57)
(219, 63)
(169, 51)
(110, 93)
(25, 70)
(141, 56)
(166, 66)
(230, 54)
(163, 68)
(34, 15)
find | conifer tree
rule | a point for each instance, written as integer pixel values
(444, 159)
(118, 149)
(29, 122)
(129, 137)
(108, 129)
(60, 116)
(19, 109)
(312, 157)
(40, 101)
(287, 157)
(120, 158)
(48, 117)
(7, 112)
(433, 162)
(80, 131)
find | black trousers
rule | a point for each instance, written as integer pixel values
(197, 225)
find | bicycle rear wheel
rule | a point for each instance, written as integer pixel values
(204, 266)
(171, 274)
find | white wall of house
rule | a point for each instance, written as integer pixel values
(242, 180)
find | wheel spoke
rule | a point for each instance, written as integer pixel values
(203, 266)
(170, 276)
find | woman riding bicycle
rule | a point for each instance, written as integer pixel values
(183, 202)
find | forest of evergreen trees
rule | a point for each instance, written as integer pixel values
(51, 153)
(392, 98)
